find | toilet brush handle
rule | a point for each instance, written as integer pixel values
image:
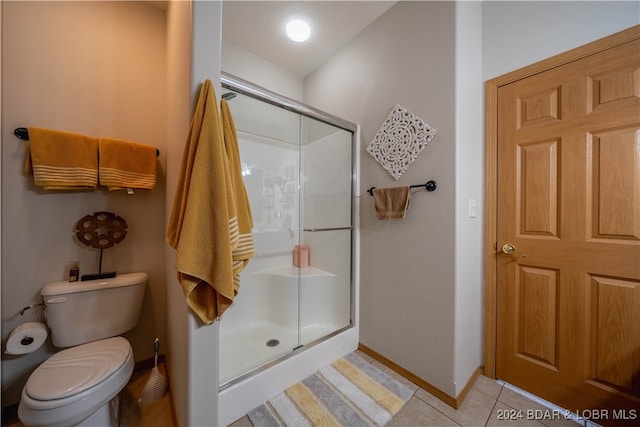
(156, 347)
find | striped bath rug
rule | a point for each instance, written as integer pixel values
(349, 392)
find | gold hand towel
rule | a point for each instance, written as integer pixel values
(245, 249)
(203, 227)
(125, 164)
(391, 203)
(62, 160)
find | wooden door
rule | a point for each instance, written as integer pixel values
(568, 201)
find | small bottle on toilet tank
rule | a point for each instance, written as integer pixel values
(74, 271)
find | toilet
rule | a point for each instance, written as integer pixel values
(80, 385)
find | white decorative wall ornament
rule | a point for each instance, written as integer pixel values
(400, 140)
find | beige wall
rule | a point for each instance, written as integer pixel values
(519, 33)
(469, 166)
(95, 68)
(194, 31)
(407, 267)
(179, 107)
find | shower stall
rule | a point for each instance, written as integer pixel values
(298, 293)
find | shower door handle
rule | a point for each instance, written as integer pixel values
(315, 230)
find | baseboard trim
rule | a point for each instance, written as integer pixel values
(467, 388)
(146, 364)
(454, 402)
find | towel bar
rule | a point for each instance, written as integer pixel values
(429, 186)
(23, 134)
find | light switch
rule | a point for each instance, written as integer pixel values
(473, 208)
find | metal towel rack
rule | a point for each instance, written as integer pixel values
(23, 134)
(429, 186)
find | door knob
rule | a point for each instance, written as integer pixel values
(508, 248)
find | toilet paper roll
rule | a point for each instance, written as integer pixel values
(26, 338)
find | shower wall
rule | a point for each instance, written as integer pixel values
(265, 308)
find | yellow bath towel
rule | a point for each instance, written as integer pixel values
(245, 249)
(62, 160)
(203, 227)
(391, 203)
(125, 164)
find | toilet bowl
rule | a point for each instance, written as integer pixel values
(75, 386)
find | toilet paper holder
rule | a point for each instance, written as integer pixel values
(26, 340)
(31, 306)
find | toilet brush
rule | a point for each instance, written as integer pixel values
(156, 385)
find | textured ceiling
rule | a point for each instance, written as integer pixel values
(258, 26)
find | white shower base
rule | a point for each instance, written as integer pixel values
(294, 306)
(243, 350)
(238, 399)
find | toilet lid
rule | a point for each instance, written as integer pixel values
(77, 369)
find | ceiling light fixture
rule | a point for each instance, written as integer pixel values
(298, 30)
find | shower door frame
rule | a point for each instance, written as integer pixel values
(244, 87)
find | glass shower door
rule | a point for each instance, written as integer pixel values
(327, 226)
(262, 324)
(298, 173)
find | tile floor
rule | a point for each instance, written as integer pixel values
(487, 404)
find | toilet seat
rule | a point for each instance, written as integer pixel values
(75, 382)
(72, 371)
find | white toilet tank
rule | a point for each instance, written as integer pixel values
(81, 312)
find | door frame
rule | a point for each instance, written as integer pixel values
(491, 173)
